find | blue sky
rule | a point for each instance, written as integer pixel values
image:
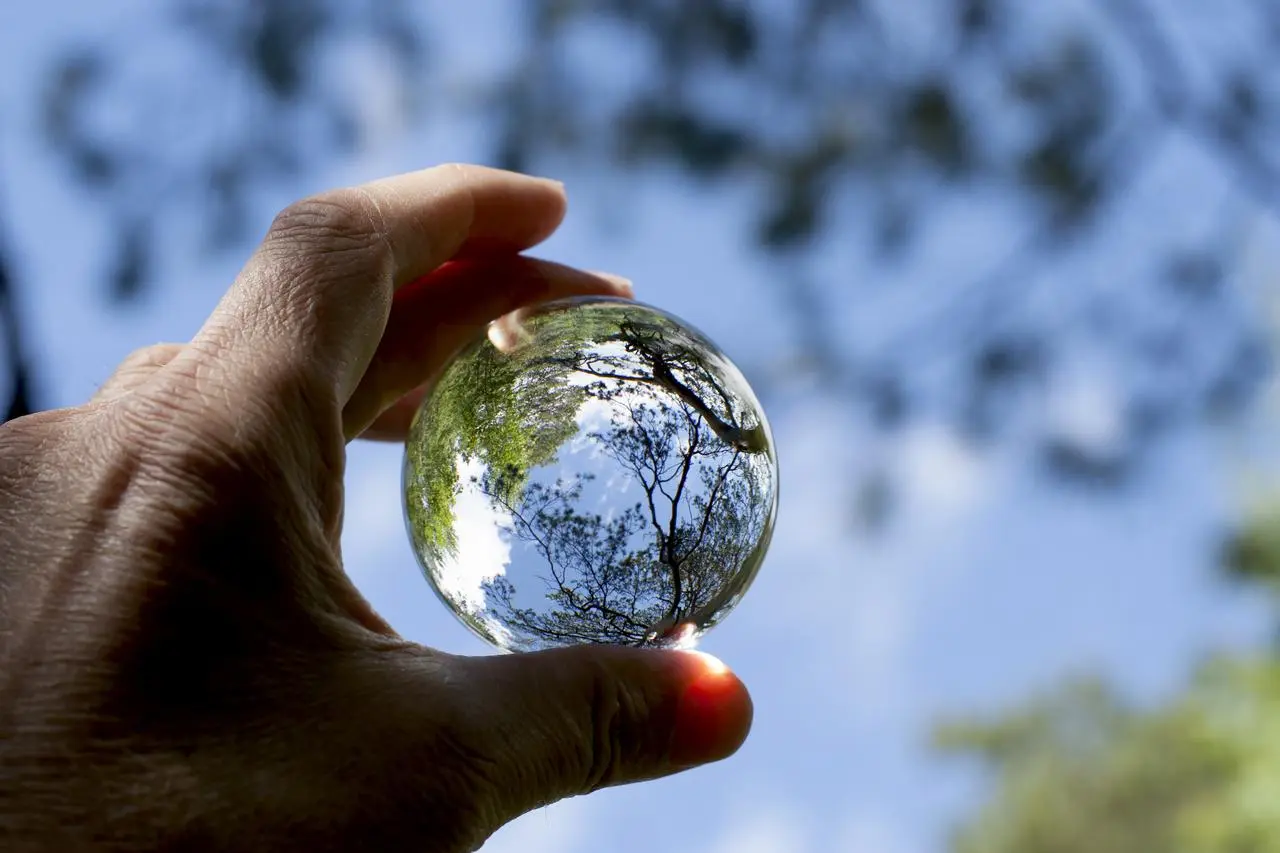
(989, 583)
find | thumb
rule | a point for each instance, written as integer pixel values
(570, 721)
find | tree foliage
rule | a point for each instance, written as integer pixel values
(1082, 770)
(509, 411)
(872, 124)
(1252, 555)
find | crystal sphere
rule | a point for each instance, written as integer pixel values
(592, 470)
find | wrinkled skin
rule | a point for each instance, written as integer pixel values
(184, 663)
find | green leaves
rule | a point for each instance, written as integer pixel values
(507, 412)
(1079, 770)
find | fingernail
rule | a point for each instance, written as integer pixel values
(624, 285)
(712, 718)
(552, 182)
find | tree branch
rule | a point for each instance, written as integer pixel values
(1254, 176)
(21, 392)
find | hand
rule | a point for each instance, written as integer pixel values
(184, 664)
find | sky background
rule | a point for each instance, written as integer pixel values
(989, 583)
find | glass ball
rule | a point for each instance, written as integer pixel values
(592, 470)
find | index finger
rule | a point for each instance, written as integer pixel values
(311, 305)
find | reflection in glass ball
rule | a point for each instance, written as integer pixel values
(593, 471)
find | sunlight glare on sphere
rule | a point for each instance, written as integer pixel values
(590, 471)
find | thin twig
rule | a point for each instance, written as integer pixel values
(21, 393)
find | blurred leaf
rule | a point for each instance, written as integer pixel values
(686, 33)
(1081, 464)
(873, 502)
(21, 400)
(895, 222)
(1054, 167)
(344, 131)
(793, 217)
(653, 129)
(1239, 379)
(1008, 359)
(21, 393)
(1195, 273)
(133, 255)
(71, 76)
(794, 213)
(73, 79)
(733, 29)
(888, 400)
(1241, 104)
(974, 20)
(1078, 770)
(1253, 554)
(1069, 94)
(935, 127)
(227, 217)
(280, 43)
(94, 166)
(511, 152)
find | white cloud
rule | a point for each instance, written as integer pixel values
(483, 552)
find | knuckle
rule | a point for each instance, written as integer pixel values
(319, 253)
(336, 221)
(615, 740)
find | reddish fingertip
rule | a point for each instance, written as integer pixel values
(713, 717)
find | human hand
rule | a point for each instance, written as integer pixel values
(184, 663)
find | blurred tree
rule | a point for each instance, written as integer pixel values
(1253, 552)
(885, 124)
(886, 128)
(1080, 770)
(189, 112)
(15, 356)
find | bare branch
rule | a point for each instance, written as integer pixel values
(20, 393)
